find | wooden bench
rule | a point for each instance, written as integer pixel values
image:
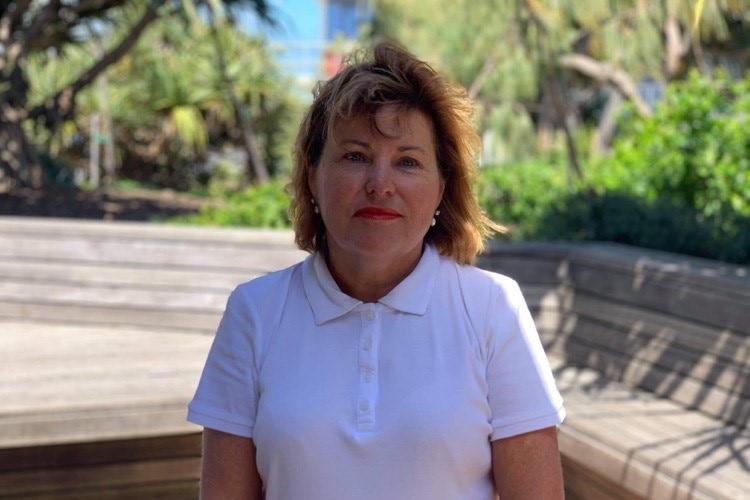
(104, 329)
(652, 354)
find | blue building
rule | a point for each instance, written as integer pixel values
(312, 34)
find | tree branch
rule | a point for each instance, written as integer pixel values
(10, 19)
(70, 16)
(606, 73)
(61, 104)
(40, 21)
(677, 47)
(487, 68)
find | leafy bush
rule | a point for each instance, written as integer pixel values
(661, 225)
(693, 151)
(518, 194)
(265, 205)
(677, 181)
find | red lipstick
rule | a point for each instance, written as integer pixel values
(377, 213)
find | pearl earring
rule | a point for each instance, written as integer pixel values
(434, 219)
(316, 209)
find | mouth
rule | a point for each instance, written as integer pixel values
(377, 213)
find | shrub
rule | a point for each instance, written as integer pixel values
(693, 151)
(265, 205)
(518, 194)
(661, 224)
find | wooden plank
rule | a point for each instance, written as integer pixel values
(94, 383)
(86, 274)
(185, 489)
(634, 343)
(716, 306)
(733, 347)
(652, 432)
(582, 483)
(148, 253)
(95, 424)
(691, 393)
(211, 302)
(672, 283)
(528, 269)
(665, 440)
(53, 227)
(105, 452)
(661, 265)
(105, 477)
(115, 316)
(679, 457)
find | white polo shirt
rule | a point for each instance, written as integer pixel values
(397, 399)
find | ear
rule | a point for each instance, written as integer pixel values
(311, 180)
(440, 194)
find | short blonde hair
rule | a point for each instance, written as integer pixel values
(389, 75)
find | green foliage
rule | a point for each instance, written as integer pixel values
(518, 194)
(167, 98)
(694, 150)
(678, 181)
(265, 205)
(660, 224)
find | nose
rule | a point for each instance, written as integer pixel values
(380, 179)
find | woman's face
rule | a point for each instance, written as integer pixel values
(378, 192)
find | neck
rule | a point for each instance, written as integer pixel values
(369, 279)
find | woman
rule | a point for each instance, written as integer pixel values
(384, 366)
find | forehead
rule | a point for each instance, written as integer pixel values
(387, 122)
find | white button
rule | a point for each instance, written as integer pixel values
(369, 315)
(364, 405)
(368, 377)
(367, 344)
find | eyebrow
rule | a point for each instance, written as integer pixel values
(365, 144)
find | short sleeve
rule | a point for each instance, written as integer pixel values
(226, 398)
(522, 392)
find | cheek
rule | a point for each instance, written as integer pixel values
(336, 187)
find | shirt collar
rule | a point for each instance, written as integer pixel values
(411, 296)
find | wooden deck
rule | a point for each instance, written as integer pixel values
(104, 328)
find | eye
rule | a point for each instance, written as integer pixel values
(355, 156)
(408, 162)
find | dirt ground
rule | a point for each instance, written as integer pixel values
(133, 205)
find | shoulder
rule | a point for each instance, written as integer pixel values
(267, 287)
(254, 309)
(481, 285)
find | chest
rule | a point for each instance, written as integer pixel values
(375, 372)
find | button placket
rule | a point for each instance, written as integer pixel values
(367, 390)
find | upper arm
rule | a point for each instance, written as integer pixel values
(527, 466)
(228, 469)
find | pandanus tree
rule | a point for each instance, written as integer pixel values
(31, 27)
(532, 64)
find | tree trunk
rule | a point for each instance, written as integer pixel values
(562, 121)
(545, 128)
(256, 168)
(605, 130)
(677, 47)
(19, 164)
(606, 73)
